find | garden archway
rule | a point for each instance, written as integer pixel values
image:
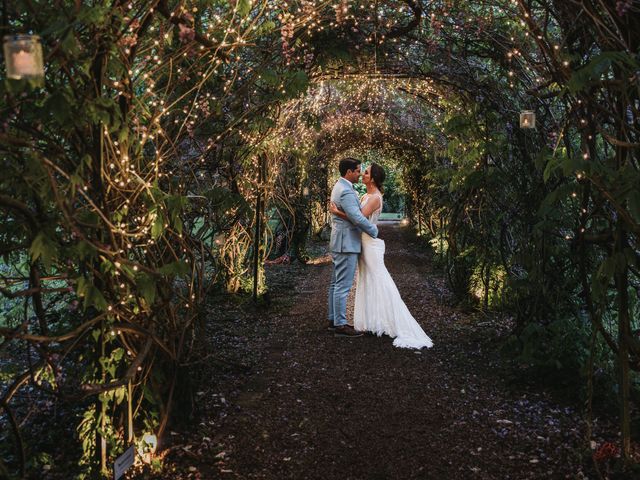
(132, 173)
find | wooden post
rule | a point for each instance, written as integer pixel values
(102, 403)
(129, 413)
(257, 237)
(624, 333)
(441, 234)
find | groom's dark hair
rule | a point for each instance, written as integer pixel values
(348, 164)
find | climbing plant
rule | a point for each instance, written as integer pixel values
(128, 189)
(149, 166)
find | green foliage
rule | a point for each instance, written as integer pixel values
(147, 287)
(132, 174)
(563, 345)
(599, 68)
(91, 295)
(43, 248)
(98, 171)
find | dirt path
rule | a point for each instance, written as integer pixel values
(295, 402)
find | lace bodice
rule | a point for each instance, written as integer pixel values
(373, 218)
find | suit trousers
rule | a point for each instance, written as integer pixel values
(344, 270)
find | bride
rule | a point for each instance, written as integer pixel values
(378, 306)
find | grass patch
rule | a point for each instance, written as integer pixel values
(391, 216)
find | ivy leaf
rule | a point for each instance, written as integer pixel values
(119, 394)
(44, 248)
(599, 66)
(266, 27)
(148, 394)
(85, 250)
(244, 7)
(75, 181)
(560, 193)
(58, 106)
(175, 268)
(104, 110)
(70, 45)
(95, 14)
(168, 37)
(340, 53)
(553, 163)
(270, 77)
(55, 27)
(175, 206)
(158, 226)
(89, 218)
(177, 224)
(123, 135)
(297, 83)
(570, 165)
(147, 287)
(90, 293)
(117, 354)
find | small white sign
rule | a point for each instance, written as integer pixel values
(123, 462)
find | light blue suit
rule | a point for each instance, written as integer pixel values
(345, 245)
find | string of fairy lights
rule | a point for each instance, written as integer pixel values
(224, 33)
(171, 86)
(306, 16)
(200, 78)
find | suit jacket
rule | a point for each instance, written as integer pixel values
(345, 234)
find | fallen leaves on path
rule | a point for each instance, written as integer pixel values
(285, 399)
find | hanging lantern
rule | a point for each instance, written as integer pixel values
(527, 119)
(305, 191)
(23, 57)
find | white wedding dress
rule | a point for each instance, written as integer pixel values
(378, 306)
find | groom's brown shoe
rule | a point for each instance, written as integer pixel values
(347, 331)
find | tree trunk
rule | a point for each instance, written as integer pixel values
(624, 333)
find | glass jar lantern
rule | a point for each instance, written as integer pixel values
(527, 119)
(23, 57)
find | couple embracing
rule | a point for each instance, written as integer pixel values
(379, 308)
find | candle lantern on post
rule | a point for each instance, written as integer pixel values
(527, 119)
(23, 57)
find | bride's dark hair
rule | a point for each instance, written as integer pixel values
(378, 176)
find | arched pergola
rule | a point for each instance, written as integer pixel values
(137, 170)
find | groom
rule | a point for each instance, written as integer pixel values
(345, 245)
